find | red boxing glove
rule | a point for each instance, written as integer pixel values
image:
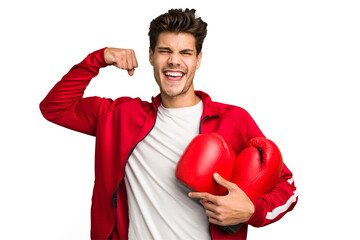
(258, 167)
(205, 155)
(256, 170)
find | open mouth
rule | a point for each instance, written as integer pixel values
(174, 75)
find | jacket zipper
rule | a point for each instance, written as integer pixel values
(201, 122)
(114, 197)
(205, 118)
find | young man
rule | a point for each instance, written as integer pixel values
(138, 143)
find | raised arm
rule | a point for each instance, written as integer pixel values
(65, 105)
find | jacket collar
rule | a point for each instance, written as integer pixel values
(209, 109)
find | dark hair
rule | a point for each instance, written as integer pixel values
(178, 21)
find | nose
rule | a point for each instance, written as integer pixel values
(174, 59)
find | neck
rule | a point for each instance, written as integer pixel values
(187, 99)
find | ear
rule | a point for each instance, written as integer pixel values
(151, 57)
(199, 57)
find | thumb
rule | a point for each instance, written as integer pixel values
(131, 71)
(223, 182)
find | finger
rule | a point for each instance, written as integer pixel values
(214, 217)
(205, 196)
(203, 201)
(211, 207)
(132, 63)
(123, 60)
(129, 61)
(120, 62)
(223, 182)
(212, 214)
(216, 221)
(134, 60)
(125, 65)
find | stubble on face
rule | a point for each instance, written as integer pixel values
(175, 62)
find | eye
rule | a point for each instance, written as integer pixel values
(187, 53)
(164, 50)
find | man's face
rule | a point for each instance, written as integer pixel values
(175, 62)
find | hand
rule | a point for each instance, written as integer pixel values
(231, 209)
(121, 58)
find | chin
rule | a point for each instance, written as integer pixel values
(172, 93)
(174, 90)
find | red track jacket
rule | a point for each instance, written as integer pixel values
(120, 124)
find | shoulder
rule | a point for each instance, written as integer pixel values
(225, 111)
(124, 104)
(241, 119)
(232, 111)
(131, 103)
(214, 107)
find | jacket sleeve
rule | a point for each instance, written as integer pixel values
(272, 206)
(65, 105)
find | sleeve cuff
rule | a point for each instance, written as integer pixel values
(102, 57)
(96, 59)
(257, 218)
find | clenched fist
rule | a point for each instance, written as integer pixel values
(121, 58)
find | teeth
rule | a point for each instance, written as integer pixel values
(173, 74)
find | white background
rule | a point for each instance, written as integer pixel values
(292, 64)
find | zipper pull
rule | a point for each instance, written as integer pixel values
(114, 199)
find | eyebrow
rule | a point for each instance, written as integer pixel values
(163, 48)
(187, 50)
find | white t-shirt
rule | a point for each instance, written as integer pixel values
(159, 207)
